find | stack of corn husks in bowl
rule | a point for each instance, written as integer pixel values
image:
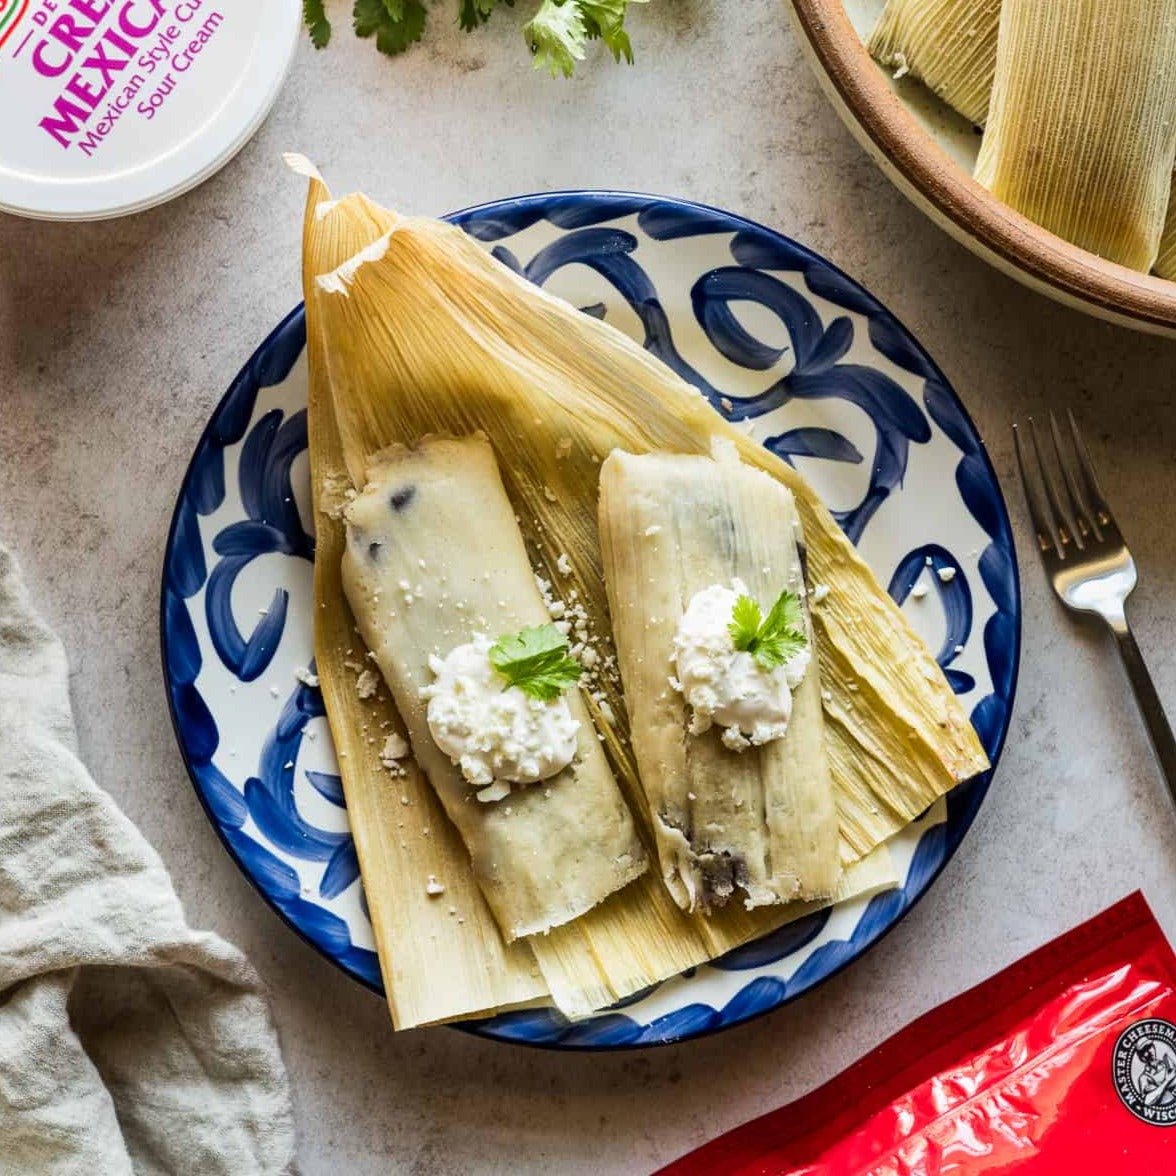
(1077, 101)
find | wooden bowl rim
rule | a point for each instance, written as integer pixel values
(893, 132)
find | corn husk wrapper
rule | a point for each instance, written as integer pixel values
(1165, 265)
(1081, 136)
(425, 333)
(948, 45)
(435, 968)
(759, 823)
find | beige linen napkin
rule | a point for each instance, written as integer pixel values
(129, 1043)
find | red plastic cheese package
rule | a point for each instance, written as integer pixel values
(1062, 1065)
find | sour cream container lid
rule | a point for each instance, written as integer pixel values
(113, 106)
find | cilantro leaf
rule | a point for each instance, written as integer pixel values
(604, 19)
(319, 27)
(471, 13)
(778, 638)
(536, 661)
(556, 36)
(395, 23)
(745, 623)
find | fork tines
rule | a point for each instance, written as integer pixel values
(1076, 518)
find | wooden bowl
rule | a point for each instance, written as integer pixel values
(929, 151)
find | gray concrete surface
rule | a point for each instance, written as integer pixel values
(116, 339)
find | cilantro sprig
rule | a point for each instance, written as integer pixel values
(557, 34)
(771, 640)
(537, 661)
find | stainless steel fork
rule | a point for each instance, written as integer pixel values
(1087, 560)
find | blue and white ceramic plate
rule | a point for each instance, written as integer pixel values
(783, 343)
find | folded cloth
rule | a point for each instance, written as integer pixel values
(128, 1041)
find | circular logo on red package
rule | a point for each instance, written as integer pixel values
(1144, 1071)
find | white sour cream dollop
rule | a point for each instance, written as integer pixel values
(724, 686)
(492, 731)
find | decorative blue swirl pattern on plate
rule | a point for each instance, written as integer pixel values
(835, 343)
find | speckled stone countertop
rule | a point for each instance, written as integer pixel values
(117, 339)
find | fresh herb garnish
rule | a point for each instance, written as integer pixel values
(536, 661)
(315, 17)
(773, 640)
(396, 24)
(557, 34)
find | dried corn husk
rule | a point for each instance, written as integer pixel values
(949, 45)
(435, 968)
(639, 935)
(1166, 261)
(1081, 136)
(763, 819)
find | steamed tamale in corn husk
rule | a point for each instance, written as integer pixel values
(542, 855)
(422, 333)
(1083, 131)
(949, 45)
(1081, 136)
(762, 819)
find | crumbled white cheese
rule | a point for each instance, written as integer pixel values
(304, 676)
(367, 684)
(726, 686)
(946, 575)
(820, 592)
(275, 692)
(919, 591)
(734, 739)
(493, 731)
(499, 790)
(651, 531)
(563, 565)
(725, 401)
(395, 749)
(901, 66)
(549, 494)
(433, 887)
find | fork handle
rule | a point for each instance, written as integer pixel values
(1158, 729)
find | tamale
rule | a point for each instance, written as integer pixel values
(436, 966)
(434, 555)
(761, 819)
(948, 45)
(1080, 135)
